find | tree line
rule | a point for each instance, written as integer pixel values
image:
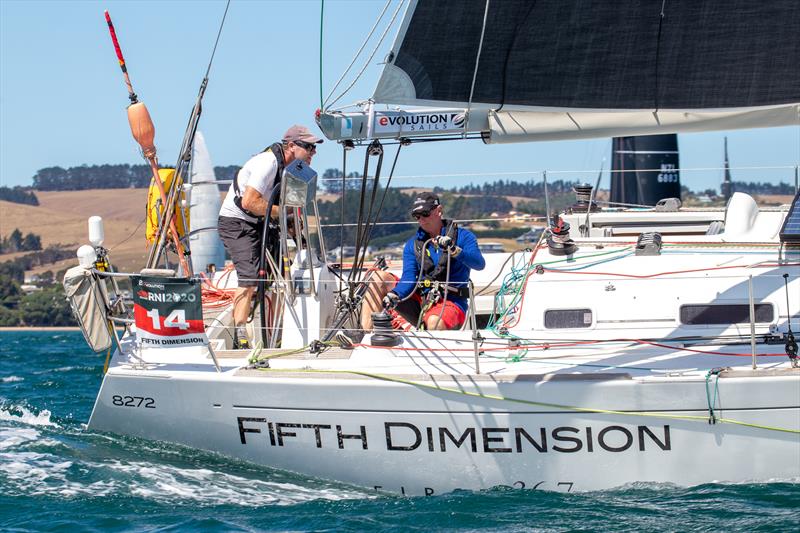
(18, 195)
(44, 307)
(123, 176)
(17, 243)
(137, 176)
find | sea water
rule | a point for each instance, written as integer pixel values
(57, 475)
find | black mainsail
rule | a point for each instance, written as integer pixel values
(520, 70)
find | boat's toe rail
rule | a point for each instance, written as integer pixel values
(458, 379)
(760, 372)
(333, 352)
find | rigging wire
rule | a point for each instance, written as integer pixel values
(375, 185)
(374, 51)
(341, 234)
(321, 19)
(185, 154)
(385, 190)
(126, 239)
(219, 33)
(364, 44)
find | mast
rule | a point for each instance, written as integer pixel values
(727, 184)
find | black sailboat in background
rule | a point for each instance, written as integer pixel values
(645, 169)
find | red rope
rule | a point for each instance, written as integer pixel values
(545, 346)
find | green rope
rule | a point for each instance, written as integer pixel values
(650, 414)
(321, 18)
(255, 355)
(513, 285)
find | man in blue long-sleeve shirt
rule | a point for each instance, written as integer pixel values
(441, 256)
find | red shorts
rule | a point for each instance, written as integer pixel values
(453, 316)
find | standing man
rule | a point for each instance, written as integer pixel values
(424, 301)
(241, 217)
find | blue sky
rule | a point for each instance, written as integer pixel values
(62, 98)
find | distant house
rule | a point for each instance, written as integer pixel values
(490, 247)
(530, 236)
(28, 288)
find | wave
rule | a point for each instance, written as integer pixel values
(17, 413)
(41, 474)
(11, 379)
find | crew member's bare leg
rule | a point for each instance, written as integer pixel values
(380, 283)
(433, 322)
(241, 305)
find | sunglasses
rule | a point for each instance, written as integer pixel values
(423, 214)
(308, 147)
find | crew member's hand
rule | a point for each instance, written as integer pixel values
(444, 242)
(391, 300)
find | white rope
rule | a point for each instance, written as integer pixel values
(363, 45)
(366, 64)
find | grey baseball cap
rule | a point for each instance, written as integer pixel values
(300, 133)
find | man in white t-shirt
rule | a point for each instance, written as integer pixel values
(241, 217)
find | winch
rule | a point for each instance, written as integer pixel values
(559, 241)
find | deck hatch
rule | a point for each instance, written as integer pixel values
(567, 318)
(720, 314)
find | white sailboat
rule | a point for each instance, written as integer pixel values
(204, 203)
(639, 347)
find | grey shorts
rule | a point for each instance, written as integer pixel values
(242, 241)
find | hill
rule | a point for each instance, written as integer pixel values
(61, 218)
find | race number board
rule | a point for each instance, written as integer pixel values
(168, 312)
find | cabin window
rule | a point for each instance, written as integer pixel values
(567, 318)
(481, 321)
(721, 314)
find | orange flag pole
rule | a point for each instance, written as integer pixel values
(144, 133)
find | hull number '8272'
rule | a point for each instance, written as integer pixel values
(133, 401)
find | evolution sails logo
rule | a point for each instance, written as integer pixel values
(421, 122)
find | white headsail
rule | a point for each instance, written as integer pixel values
(204, 204)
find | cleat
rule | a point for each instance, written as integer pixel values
(348, 338)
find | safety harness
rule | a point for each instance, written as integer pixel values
(434, 275)
(277, 150)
